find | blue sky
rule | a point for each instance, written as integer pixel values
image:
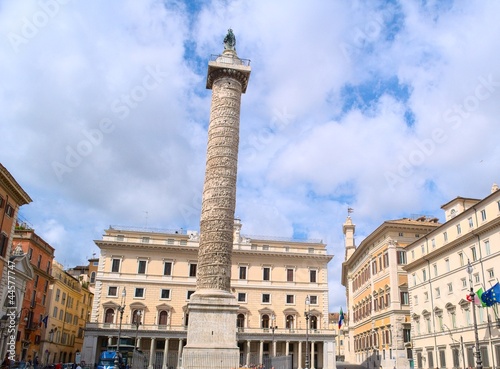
(387, 107)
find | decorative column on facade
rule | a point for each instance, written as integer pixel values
(179, 353)
(249, 347)
(261, 351)
(165, 355)
(212, 308)
(287, 348)
(299, 363)
(312, 355)
(152, 348)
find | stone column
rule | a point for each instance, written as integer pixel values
(249, 346)
(287, 348)
(261, 351)
(165, 355)
(152, 354)
(299, 363)
(179, 355)
(311, 359)
(213, 308)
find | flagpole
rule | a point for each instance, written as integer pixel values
(476, 334)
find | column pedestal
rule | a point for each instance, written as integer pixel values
(211, 339)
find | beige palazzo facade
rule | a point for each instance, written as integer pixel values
(377, 333)
(270, 280)
(443, 334)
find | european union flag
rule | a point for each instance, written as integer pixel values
(491, 296)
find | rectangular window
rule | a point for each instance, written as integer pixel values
(289, 275)
(139, 292)
(112, 291)
(386, 260)
(242, 297)
(461, 258)
(120, 237)
(491, 273)
(312, 276)
(313, 300)
(405, 298)
(464, 282)
(265, 247)
(433, 242)
(424, 275)
(459, 229)
(58, 294)
(487, 248)
(471, 222)
(266, 298)
(36, 280)
(415, 299)
(170, 241)
(167, 268)
(115, 266)
(243, 272)
(374, 267)
(145, 239)
(192, 270)
(9, 210)
(165, 294)
(290, 299)
(474, 253)
(450, 287)
(266, 274)
(39, 261)
(435, 267)
(141, 267)
(188, 295)
(426, 296)
(445, 236)
(401, 257)
(447, 263)
(438, 292)
(483, 215)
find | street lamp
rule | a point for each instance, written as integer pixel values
(273, 327)
(120, 309)
(479, 364)
(307, 314)
(137, 323)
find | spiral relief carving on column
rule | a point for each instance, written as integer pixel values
(219, 191)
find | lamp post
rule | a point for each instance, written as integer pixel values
(479, 364)
(307, 314)
(120, 309)
(273, 327)
(137, 323)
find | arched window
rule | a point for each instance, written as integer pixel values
(109, 315)
(265, 321)
(92, 277)
(136, 316)
(290, 321)
(240, 321)
(162, 318)
(314, 322)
